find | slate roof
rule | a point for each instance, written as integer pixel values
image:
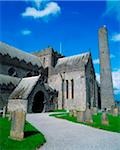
(13, 52)
(73, 60)
(24, 88)
(5, 79)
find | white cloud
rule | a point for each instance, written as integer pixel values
(116, 80)
(51, 8)
(97, 61)
(37, 3)
(116, 37)
(98, 77)
(26, 32)
(113, 9)
(112, 56)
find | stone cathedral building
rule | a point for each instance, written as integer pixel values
(46, 80)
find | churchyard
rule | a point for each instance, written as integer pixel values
(113, 121)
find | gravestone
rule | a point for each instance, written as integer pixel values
(118, 110)
(17, 124)
(115, 111)
(80, 116)
(94, 111)
(10, 116)
(104, 119)
(88, 116)
(4, 111)
(74, 113)
(71, 112)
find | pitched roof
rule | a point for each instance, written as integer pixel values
(24, 88)
(5, 79)
(13, 52)
(73, 60)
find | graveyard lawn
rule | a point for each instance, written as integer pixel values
(33, 139)
(114, 121)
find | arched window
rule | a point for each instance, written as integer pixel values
(12, 72)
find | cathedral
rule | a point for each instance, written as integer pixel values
(46, 80)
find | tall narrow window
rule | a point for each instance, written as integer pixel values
(63, 93)
(44, 61)
(67, 89)
(72, 88)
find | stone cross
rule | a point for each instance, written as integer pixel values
(17, 124)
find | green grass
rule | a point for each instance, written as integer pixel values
(59, 110)
(114, 122)
(32, 138)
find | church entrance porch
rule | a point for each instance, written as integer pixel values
(38, 104)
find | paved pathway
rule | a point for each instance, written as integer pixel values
(64, 135)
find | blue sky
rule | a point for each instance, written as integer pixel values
(34, 25)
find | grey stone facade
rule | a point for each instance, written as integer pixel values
(62, 82)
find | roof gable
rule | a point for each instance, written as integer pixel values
(73, 60)
(5, 79)
(24, 88)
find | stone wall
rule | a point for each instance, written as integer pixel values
(91, 89)
(79, 100)
(5, 91)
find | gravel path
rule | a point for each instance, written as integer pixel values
(64, 135)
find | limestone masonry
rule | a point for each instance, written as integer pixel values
(46, 80)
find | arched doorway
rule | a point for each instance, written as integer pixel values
(38, 104)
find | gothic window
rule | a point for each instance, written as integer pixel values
(12, 72)
(72, 88)
(67, 89)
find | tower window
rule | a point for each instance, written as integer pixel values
(72, 88)
(67, 89)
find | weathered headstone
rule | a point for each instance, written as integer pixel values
(74, 113)
(88, 116)
(94, 111)
(118, 110)
(4, 111)
(10, 116)
(104, 119)
(80, 116)
(17, 124)
(71, 112)
(115, 111)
